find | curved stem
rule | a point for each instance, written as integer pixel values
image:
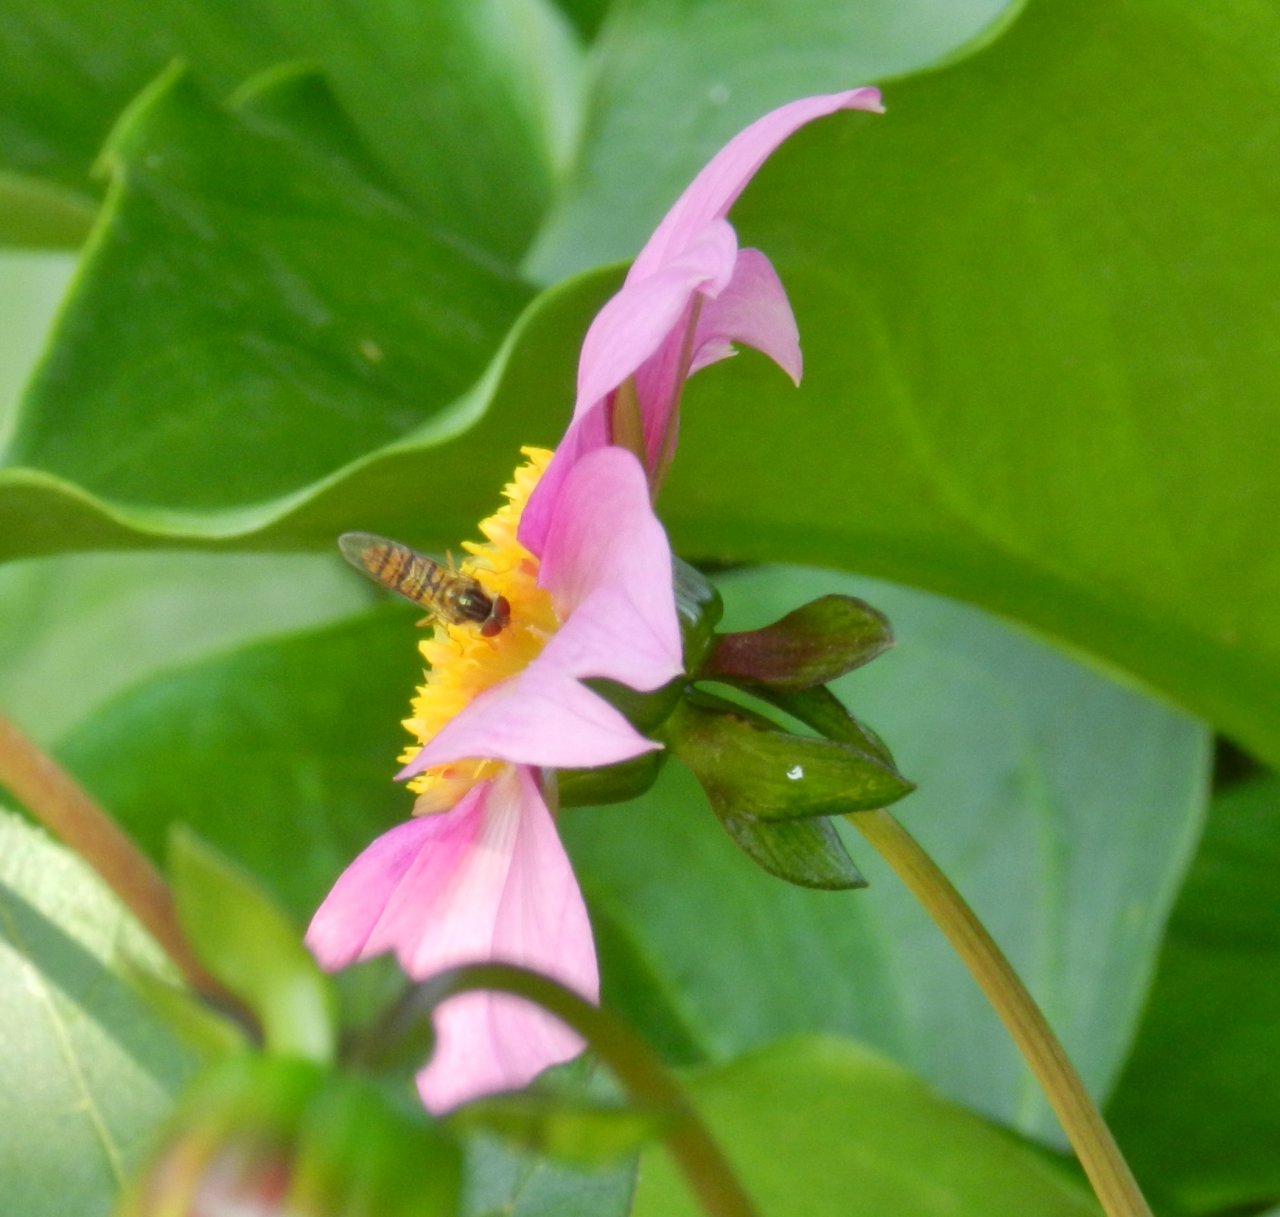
(1112, 1181)
(632, 1061)
(62, 805)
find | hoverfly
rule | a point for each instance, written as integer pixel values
(442, 591)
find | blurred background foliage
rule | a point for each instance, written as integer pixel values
(275, 271)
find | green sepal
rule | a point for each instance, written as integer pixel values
(699, 608)
(751, 768)
(810, 646)
(573, 1128)
(609, 783)
(826, 714)
(252, 947)
(808, 853)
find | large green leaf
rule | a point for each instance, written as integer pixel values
(277, 751)
(86, 1070)
(1064, 807)
(1037, 300)
(872, 1140)
(339, 321)
(453, 97)
(1198, 1106)
(79, 629)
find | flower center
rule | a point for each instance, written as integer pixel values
(463, 662)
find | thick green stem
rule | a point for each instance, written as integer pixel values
(1116, 1188)
(632, 1061)
(54, 798)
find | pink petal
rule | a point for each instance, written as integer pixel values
(753, 311)
(487, 881)
(717, 187)
(586, 433)
(644, 313)
(607, 565)
(342, 927)
(542, 716)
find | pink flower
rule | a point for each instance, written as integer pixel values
(689, 296)
(586, 571)
(488, 879)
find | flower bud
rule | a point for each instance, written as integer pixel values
(808, 647)
(277, 1135)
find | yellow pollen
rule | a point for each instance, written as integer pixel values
(462, 663)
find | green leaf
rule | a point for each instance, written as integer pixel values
(706, 68)
(872, 1140)
(812, 645)
(762, 773)
(82, 629)
(37, 213)
(1063, 806)
(453, 97)
(31, 285)
(1041, 365)
(292, 324)
(501, 1182)
(570, 1127)
(245, 941)
(1197, 1109)
(86, 1069)
(294, 757)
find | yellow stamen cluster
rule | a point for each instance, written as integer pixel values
(462, 663)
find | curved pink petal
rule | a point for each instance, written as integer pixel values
(717, 187)
(342, 926)
(585, 433)
(752, 311)
(643, 314)
(487, 881)
(542, 716)
(607, 564)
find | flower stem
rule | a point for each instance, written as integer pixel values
(1112, 1181)
(58, 802)
(632, 1061)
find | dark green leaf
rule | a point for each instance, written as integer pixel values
(873, 1139)
(761, 773)
(244, 940)
(812, 645)
(1197, 1110)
